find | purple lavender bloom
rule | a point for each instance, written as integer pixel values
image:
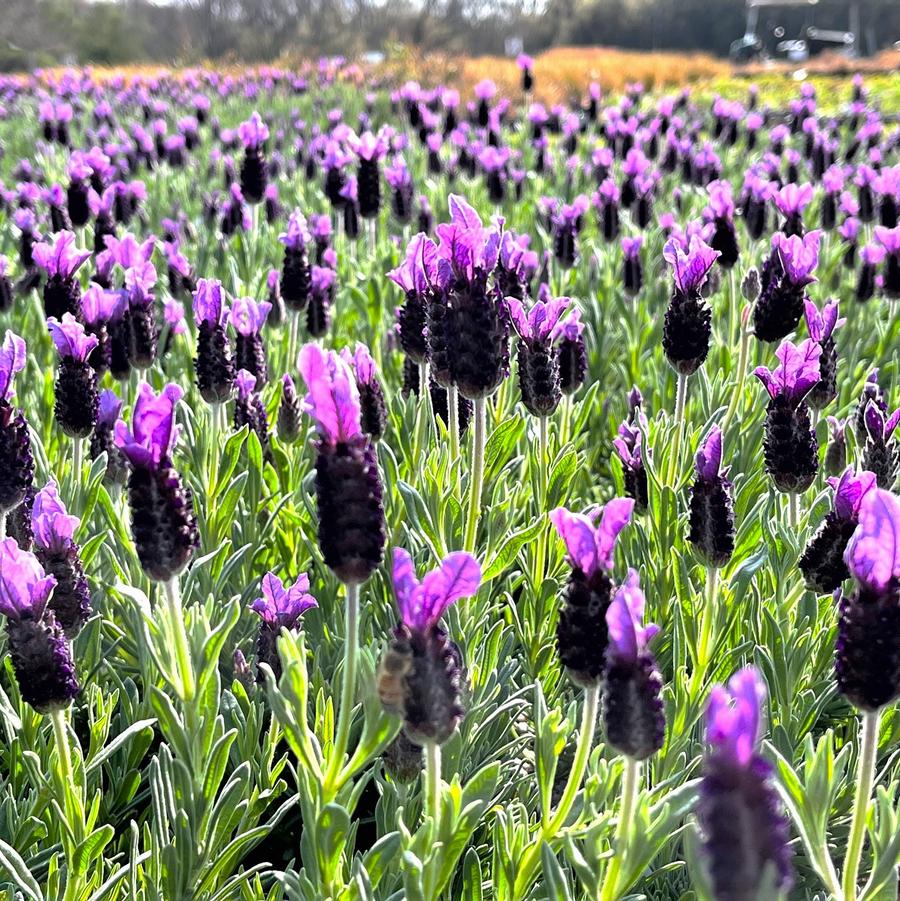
(821, 325)
(61, 259)
(711, 526)
(12, 360)
(24, 586)
(70, 338)
(798, 372)
(154, 433)
(628, 636)
(422, 604)
(591, 545)
(254, 132)
(799, 256)
(53, 527)
(539, 322)
(99, 306)
(209, 303)
(690, 269)
(873, 554)
(744, 827)
(248, 316)
(332, 395)
(281, 607)
(109, 408)
(708, 462)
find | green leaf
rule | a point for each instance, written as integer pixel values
(18, 872)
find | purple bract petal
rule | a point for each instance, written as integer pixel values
(70, 338)
(110, 408)
(873, 553)
(733, 716)
(209, 302)
(12, 361)
(708, 462)
(690, 269)
(628, 636)
(153, 433)
(61, 258)
(850, 490)
(248, 316)
(422, 604)
(333, 398)
(53, 527)
(282, 607)
(798, 372)
(24, 586)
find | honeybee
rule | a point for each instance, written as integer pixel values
(393, 668)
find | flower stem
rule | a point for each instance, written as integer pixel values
(67, 774)
(432, 806)
(542, 464)
(477, 475)
(793, 510)
(707, 622)
(741, 378)
(2, 526)
(183, 659)
(348, 684)
(77, 453)
(453, 426)
(589, 713)
(680, 404)
(630, 779)
(865, 777)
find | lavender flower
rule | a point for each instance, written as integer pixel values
(538, 356)
(629, 447)
(53, 530)
(213, 364)
(688, 321)
(76, 382)
(279, 608)
(790, 448)
(249, 410)
(571, 351)
(889, 239)
(867, 658)
(248, 317)
(254, 175)
(633, 713)
(881, 452)
(60, 261)
(348, 485)
(373, 411)
(581, 634)
(295, 272)
(711, 520)
(162, 510)
(420, 674)
(102, 438)
(785, 275)
(821, 326)
(41, 657)
(289, 425)
(745, 830)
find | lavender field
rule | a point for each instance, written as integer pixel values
(408, 495)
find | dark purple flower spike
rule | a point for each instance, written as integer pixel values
(103, 441)
(55, 548)
(289, 413)
(688, 320)
(785, 276)
(538, 357)
(373, 410)
(279, 608)
(629, 448)
(41, 656)
(162, 509)
(633, 713)
(296, 277)
(247, 318)
(254, 173)
(76, 381)
(60, 261)
(711, 520)
(881, 452)
(348, 484)
(790, 448)
(822, 563)
(571, 351)
(821, 326)
(420, 674)
(16, 460)
(581, 634)
(867, 662)
(213, 364)
(744, 828)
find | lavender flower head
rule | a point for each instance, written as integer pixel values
(254, 132)
(797, 373)
(711, 526)
(281, 607)
(799, 256)
(733, 716)
(109, 409)
(61, 259)
(628, 636)
(537, 325)
(153, 433)
(24, 586)
(296, 236)
(248, 316)
(873, 554)
(54, 528)
(70, 338)
(209, 303)
(12, 361)
(422, 604)
(590, 545)
(332, 395)
(690, 269)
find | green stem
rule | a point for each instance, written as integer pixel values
(64, 754)
(741, 377)
(477, 474)
(348, 685)
(423, 416)
(182, 648)
(793, 511)
(2, 526)
(865, 778)
(707, 625)
(589, 713)
(453, 425)
(680, 404)
(541, 543)
(630, 779)
(77, 453)
(432, 806)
